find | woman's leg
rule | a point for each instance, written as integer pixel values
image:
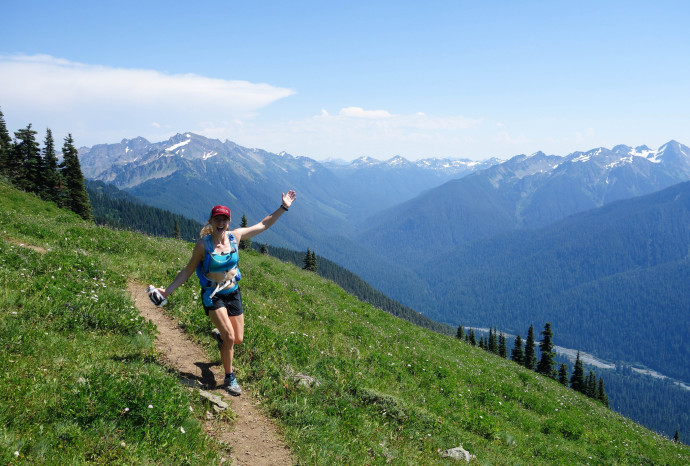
(222, 321)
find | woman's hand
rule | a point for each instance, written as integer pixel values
(289, 198)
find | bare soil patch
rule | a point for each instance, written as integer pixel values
(253, 437)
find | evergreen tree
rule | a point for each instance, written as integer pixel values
(176, 230)
(24, 160)
(310, 261)
(546, 365)
(493, 343)
(517, 355)
(245, 243)
(5, 145)
(502, 350)
(676, 437)
(473, 338)
(460, 335)
(563, 375)
(577, 380)
(264, 249)
(530, 359)
(51, 176)
(482, 345)
(601, 393)
(77, 198)
(591, 385)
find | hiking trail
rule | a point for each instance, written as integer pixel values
(253, 437)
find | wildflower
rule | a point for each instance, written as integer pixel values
(150, 406)
(123, 444)
(182, 430)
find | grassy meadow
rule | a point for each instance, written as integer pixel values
(80, 381)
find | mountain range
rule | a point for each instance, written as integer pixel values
(428, 233)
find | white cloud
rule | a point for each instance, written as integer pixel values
(100, 99)
(359, 112)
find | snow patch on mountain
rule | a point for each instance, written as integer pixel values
(179, 144)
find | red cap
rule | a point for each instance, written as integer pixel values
(220, 210)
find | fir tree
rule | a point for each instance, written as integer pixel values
(460, 334)
(264, 249)
(51, 177)
(77, 197)
(563, 375)
(23, 162)
(502, 350)
(176, 230)
(473, 338)
(591, 383)
(5, 145)
(601, 393)
(310, 261)
(676, 437)
(516, 354)
(493, 341)
(245, 243)
(482, 345)
(546, 365)
(577, 380)
(314, 262)
(530, 359)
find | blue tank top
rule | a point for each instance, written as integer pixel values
(222, 262)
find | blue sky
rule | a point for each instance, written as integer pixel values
(460, 79)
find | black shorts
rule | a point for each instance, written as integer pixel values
(230, 301)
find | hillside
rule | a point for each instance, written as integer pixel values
(85, 385)
(607, 279)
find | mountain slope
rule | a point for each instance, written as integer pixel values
(382, 390)
(607, 279)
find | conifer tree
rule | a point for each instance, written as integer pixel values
(460, 334)
(51, 176)
(314, 262)
(5, 145)
(482, 345)
(310, 261)
(530, 359)
(245, 243)
(77, 198)
(676, 437)
(473, 338)
(502, 350)
(264, 249)
(493, 343)
(24, 161)
(563, 375)
(591, 385)
(516, 354)
(546, 365)
(577, 380)
(176, 231)
(601, 393)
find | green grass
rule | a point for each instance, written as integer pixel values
(80, 372)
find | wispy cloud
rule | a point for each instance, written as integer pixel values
(93, 97)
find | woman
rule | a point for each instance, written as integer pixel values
(214, 259)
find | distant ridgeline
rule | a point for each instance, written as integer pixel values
(119, 209)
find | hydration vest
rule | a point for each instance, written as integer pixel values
(210, 288)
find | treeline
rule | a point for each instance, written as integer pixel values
(36, 170)
(546, 364)
(118, 209)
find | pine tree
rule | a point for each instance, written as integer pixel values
(314, 262)
(577, 380)
(502, 350)
(493, 343)
(176, 231)
(51, 177)
(517, 355)
(24, 161)
(601, 393)
(482, 345)
(460, 334)
(310, 261)
(473, 338)
(245, 243)
(77, 197)
(264, 249)
(530, 359)
(5, 145)
(676, 437)
(563, 375)
(546, 365)
(591, 385)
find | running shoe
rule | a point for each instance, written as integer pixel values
(231, 385)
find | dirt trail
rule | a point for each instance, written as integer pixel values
(254, 439)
